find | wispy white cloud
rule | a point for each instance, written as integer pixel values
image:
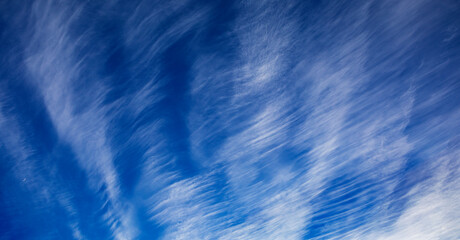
(432, 211)
(352, 125)
(257, 192)
(301, 131)
(150, 32)
(27, 170)
(78, 116)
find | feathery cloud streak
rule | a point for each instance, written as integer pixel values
(230, 120)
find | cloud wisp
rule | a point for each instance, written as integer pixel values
(230, 120)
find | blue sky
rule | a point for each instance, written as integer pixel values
(223, 119)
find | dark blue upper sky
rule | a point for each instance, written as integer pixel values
(229, 119)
